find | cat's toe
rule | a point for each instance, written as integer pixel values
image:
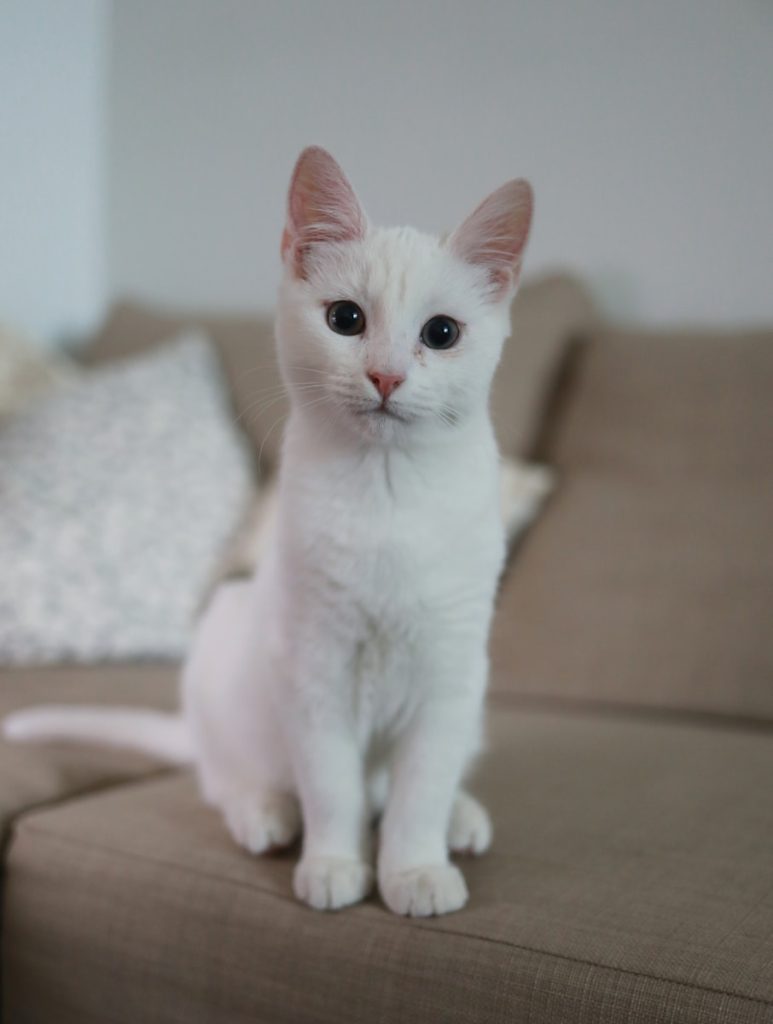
(263, 823)
(470, 828)
(424, 892)
(329, 883)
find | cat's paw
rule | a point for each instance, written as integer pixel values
(329, 883)
(423, 892)
(470, 829)
(262, 822)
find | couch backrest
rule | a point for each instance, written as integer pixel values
(649, 578)
(548, 314)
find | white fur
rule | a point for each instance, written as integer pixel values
(151, 732)
(346, 681)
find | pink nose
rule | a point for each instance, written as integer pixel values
(385, 383)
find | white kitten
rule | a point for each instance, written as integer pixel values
(346, 681)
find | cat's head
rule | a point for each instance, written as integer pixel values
(390, 331)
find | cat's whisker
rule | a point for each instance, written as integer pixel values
(264, 402)
(279, 419)
(266, 436)
(314, 401)
(260, 367)
(286, 385)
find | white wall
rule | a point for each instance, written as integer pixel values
(52, 149)
(647, 129)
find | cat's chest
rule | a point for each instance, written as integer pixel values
(392, 561)
(407, 540)
(394, 572)
(384, 679)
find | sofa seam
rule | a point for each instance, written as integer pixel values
(568, 958)
(601, 709)
(20, 816)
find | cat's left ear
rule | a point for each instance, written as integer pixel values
(322, 207)
(494, 236)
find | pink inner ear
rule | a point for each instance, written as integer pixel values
(494, 236)
(322, 207)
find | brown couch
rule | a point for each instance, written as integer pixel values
(630, 769)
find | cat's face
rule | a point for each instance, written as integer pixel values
(391, 331)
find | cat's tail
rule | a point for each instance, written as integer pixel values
(157, 733)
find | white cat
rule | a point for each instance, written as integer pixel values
(346, 681)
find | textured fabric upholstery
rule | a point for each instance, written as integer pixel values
(38, 774)
(630, 881)
(551, 316)
(649, 577)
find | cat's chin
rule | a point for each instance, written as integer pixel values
(380, 424)
(384, 414)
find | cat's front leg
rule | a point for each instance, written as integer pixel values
(335, 867)
(334, 870)
(415, 874)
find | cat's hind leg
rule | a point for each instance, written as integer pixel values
(240, 757)
(469, 830)
(261, 820)
(258, 805)
(256, 800)
(260, 816)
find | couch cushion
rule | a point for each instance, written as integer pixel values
(630, 880)
(649, 577)
(548, 314)
(35, 774)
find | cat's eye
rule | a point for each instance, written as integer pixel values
(345, 317)
(440, 332)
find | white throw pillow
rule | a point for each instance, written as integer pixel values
(117, 496)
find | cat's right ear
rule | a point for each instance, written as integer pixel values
(494, 236)
(322, 207)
